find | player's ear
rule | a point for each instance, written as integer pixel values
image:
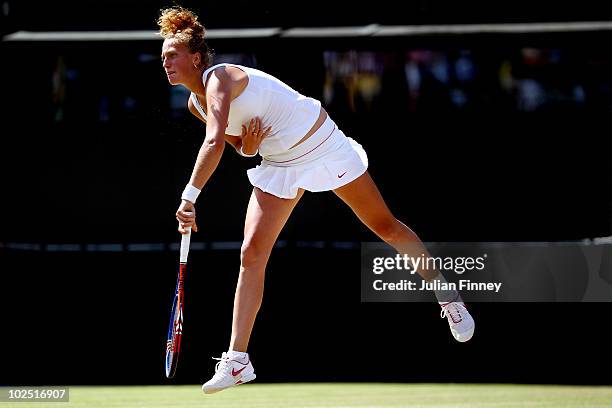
(196, 59)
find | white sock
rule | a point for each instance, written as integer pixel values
(238, 355)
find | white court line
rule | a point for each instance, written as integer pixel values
(145, 247)
(331, 31)
(142, 35)
(375, 30)
(226, 245)
(104, 248)
(63, 248)
(236, 245)
(509, 28)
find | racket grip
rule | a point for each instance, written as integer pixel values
(185, 240)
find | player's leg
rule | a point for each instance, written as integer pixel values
(364, 198)
(265, 218)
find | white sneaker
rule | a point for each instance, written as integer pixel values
(459, 319)
(228, 373)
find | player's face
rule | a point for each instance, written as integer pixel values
(177, 61)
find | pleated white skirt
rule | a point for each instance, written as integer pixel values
(325, 161)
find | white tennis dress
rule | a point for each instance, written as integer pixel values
(325, 161)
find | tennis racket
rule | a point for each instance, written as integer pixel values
(175, 330)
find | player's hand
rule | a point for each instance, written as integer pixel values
(186, 216)
(253, 135)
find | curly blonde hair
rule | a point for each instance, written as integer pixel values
(183, 25)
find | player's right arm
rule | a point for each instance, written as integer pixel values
(218, 98)
(233, 140)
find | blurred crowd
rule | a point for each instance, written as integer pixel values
(405, 82)
(526, 80)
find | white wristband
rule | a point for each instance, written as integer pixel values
(247, 155)
(190, 193)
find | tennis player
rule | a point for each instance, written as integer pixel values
(302, 149)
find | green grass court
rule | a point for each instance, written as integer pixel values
(337, 396)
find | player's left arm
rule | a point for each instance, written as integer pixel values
(234, 141)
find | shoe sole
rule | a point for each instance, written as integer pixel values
(463, 337)
(245, 379)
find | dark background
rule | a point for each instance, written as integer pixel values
(101, 157)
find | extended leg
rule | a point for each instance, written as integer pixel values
(365, 200)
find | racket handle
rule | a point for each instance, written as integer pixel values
(185, 240)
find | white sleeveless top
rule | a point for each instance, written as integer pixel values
(290, 114)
